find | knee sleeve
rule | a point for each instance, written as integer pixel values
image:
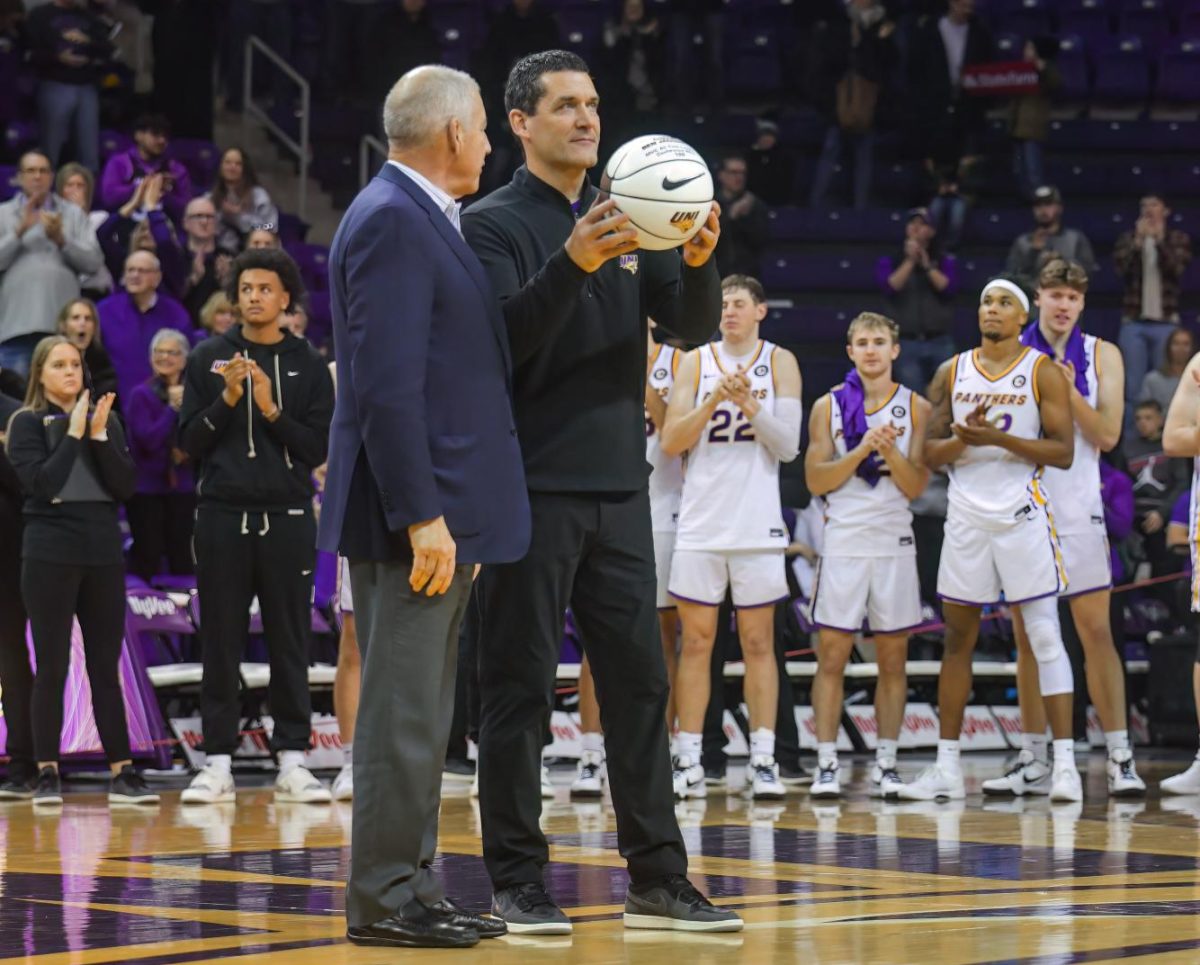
(1045, 640)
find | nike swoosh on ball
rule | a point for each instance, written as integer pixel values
(669, 185)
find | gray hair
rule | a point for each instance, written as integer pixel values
(169, 335)
(424, 101)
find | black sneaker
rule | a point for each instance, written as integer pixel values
(48, 791)
(674, 903)
(528, 910)
(714, 774)
(18, 787)
(129, 787)
(794, 775)
(458, 770)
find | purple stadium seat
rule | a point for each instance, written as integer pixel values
(320, 318)
(752, 66)
(817, 271)
(974, 271)
(456, 48)
(1179, 74)
(998, 226)
(1087, 19)
(201, 158)
(1028, 18)
(1009, 45)
(113, 142)
(1123, 74)
(292, 230)
(1073, 67)
(313, 262)
(1189, 23)
(464, 18)
(20, 136)
(1146, 19)
(1101, 224)
(802, 129)
(877, 225)
(8, 181)
(807, 324)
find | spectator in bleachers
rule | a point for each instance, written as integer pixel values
(126, 170)
(207, 263)
(130, 318)
(1029, 116)
(920, 285)
(218, 315)
(71, 561)
(412, 40)
(950, 123)
(1031, 250)
(263, 236)
(141, 224)
(271, 22)
(631, 69)
(771, 168)
(80, 322)
(241, 202)
(1158, 480)
(690, 19)
(851, 57)
(46, 243)
(1150, 260)
(1159, 384)
(161, 509)
(69, 48)
(744, 227)
(77, 184)
(295, 320)
(949, 204)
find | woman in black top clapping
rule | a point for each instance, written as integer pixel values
(74, 469)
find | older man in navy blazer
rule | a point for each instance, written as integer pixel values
(425, 481)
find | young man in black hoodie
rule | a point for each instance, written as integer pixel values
(257, 404)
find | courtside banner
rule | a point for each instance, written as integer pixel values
(1006, 78)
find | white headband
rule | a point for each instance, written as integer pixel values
(1008, 286)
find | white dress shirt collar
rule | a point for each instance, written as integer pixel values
(446, 204)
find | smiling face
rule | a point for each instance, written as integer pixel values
(1000, 315)
(563, 133)
(167, 358)
(740, 314)
(232, 166)
(261, 297)
(142, 273)
(872, 350)
(1059, 308)
(62, 375)
(80, 325)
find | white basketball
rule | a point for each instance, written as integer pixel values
(664, 186)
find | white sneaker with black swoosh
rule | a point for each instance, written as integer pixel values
(688, 777)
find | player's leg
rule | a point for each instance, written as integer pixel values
(1030, 772)
(828, 695)
(891, 695)
(1188, 782)
(756, 631)
(698, 631)
(589, 778)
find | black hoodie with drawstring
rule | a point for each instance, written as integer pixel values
(244, 461)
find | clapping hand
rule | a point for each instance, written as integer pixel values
(104, 406)
(79, 415)
(235, 373)
(261, 384)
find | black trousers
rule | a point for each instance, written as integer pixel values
(161, 525)
(596, 555)
(465, 724)
(55, 594)
(16, 675)
(238, 555)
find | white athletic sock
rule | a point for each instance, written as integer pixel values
(689, 745)
(348, 753)
(827, 752)
(762, 743)
(593, 743)
(947, 756)
(1064, 752)
(1036, 745)
(1117, 740)
(289, 761)
(885, 750)
(220, 762)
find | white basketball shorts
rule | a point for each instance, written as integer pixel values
(883, 590)
(703, 576)
(664, 549)
(1088, 561)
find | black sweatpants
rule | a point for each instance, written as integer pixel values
(16, 675)
(238, 555)
(55, 594)
(595, 554)
(161, 524)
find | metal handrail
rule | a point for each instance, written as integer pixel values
(298, 147)
(368, 144)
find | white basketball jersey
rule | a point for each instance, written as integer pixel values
(989, 486)
(731, 480)
(866, 520)
(666, 472)
(1075, 493)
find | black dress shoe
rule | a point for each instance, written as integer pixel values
(485, 925)
(418, 927)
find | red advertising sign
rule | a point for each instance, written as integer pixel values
(1002, 79)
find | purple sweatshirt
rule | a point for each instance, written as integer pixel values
(152, 428)
(1116, 490)
(127, 334)
(123, 172)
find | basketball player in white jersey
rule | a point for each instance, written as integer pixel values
(1181, 437)
(666, 482)
(1095, 375)
(735, 410)
(865, 456)
(1001, 413)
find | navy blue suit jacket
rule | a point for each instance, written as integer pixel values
(423, 425)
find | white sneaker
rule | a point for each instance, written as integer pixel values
(934, 784)
(1065, 784)
(1026, 775)
(764, 780)
(688, 777)
(343, 784)
(885, 779)
(547, 784)
(213, 785)
(1186, 783)
(1123, 779)
(826, 784)
(475, 785)
(589, 779)
(298, 786)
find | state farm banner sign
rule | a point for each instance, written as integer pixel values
(1005, 79)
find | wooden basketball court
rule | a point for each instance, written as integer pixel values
(862, 881)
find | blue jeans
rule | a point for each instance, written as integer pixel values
(949, 213)
(919, 360)
(1028, 167)
(16, 353)
(1143, 344)
(70, 112)
(831, 153)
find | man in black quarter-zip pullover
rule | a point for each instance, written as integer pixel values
(575, 292)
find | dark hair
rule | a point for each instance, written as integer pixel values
(155, 123)
(1061, 273)
(1149, 404)
(1165, 368)
(220, 190)
(268, 259)
(752, 285)
(524, 87)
